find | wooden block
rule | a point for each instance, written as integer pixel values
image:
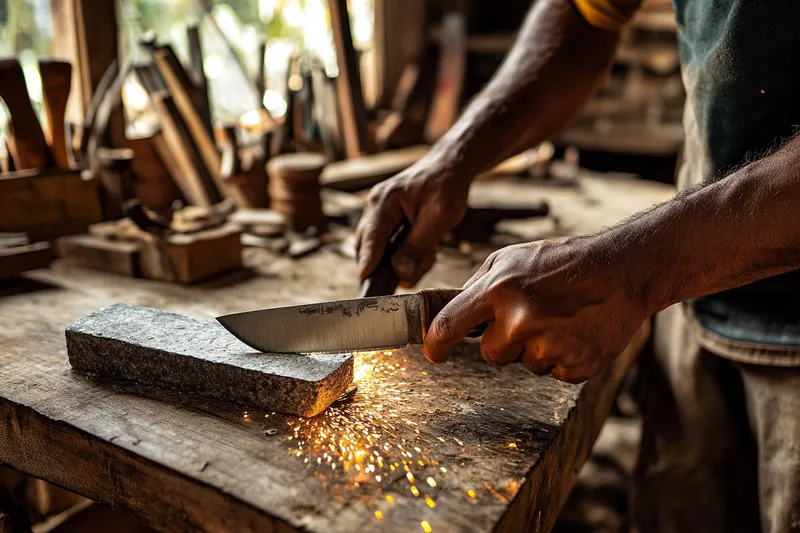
(154, 347)
(92, 251)
(14, 261)
(205, 254)
(48, 204)
(364, 172)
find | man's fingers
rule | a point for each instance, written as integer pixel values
(374, 231)
(426, 233)
(497, 345)
(425, 266)
(575, 374)
(464, 312)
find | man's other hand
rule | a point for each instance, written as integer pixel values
(565, 307)
(432, 199)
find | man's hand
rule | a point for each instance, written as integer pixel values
(560, 307)
(431, 198)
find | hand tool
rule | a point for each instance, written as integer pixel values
(383, 280)
(56, 79)
(343, 325)
(26, 140)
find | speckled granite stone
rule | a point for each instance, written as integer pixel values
(181, 353)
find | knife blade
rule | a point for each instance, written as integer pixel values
(341, 325)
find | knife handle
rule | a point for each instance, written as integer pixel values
(383, 281)
(435, 301)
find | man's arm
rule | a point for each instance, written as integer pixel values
(571, 306)
(552, 70)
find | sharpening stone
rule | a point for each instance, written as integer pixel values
(155, 347)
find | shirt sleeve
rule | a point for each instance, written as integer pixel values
(607, 14)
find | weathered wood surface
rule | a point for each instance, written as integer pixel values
(516, 440)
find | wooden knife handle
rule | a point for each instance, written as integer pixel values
(435, 301)
(383, 281)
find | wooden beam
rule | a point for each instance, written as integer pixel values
(351, 98)
(400, 36)
(85, 32)
(179, 86)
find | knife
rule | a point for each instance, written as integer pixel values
(343, 325)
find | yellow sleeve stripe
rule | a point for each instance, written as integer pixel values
(605, 14)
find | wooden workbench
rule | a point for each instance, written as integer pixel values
(488, 449)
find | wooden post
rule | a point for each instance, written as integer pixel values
(85, 33)
(351, 98)
(400, 36)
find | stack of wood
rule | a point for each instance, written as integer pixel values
(42, 193)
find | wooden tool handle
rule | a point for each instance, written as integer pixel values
(56, 79)
(383, 281)
(435, 301)
(26, 140)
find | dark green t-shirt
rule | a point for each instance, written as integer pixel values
(741, 70)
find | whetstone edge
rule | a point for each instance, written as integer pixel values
(153, 347)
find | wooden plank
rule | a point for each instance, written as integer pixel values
(352, 110)
(198, 75)
(192, 177)
(201, 465)
(92, 251)
(450, 79)
(26, 140)
(49, 204)
(14, 261)
(364, 172)
(85, 34)
(177, 82)
(400, 37)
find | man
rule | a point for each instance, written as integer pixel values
(721, 445)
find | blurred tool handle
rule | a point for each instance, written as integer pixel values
(26, 140)
(383, 281)
(56, 80)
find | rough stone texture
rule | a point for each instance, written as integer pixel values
(149, 346)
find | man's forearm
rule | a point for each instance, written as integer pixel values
(722, 235)
(549, 74)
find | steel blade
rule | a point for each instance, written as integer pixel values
(338, 326)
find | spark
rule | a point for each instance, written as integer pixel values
(512, 444)
(443, 469)
(426, 527)
(390, 498)
(471, 494)
(415, 491)
(379, 515)
(430, 502)
(410, 477)
(431, 481)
